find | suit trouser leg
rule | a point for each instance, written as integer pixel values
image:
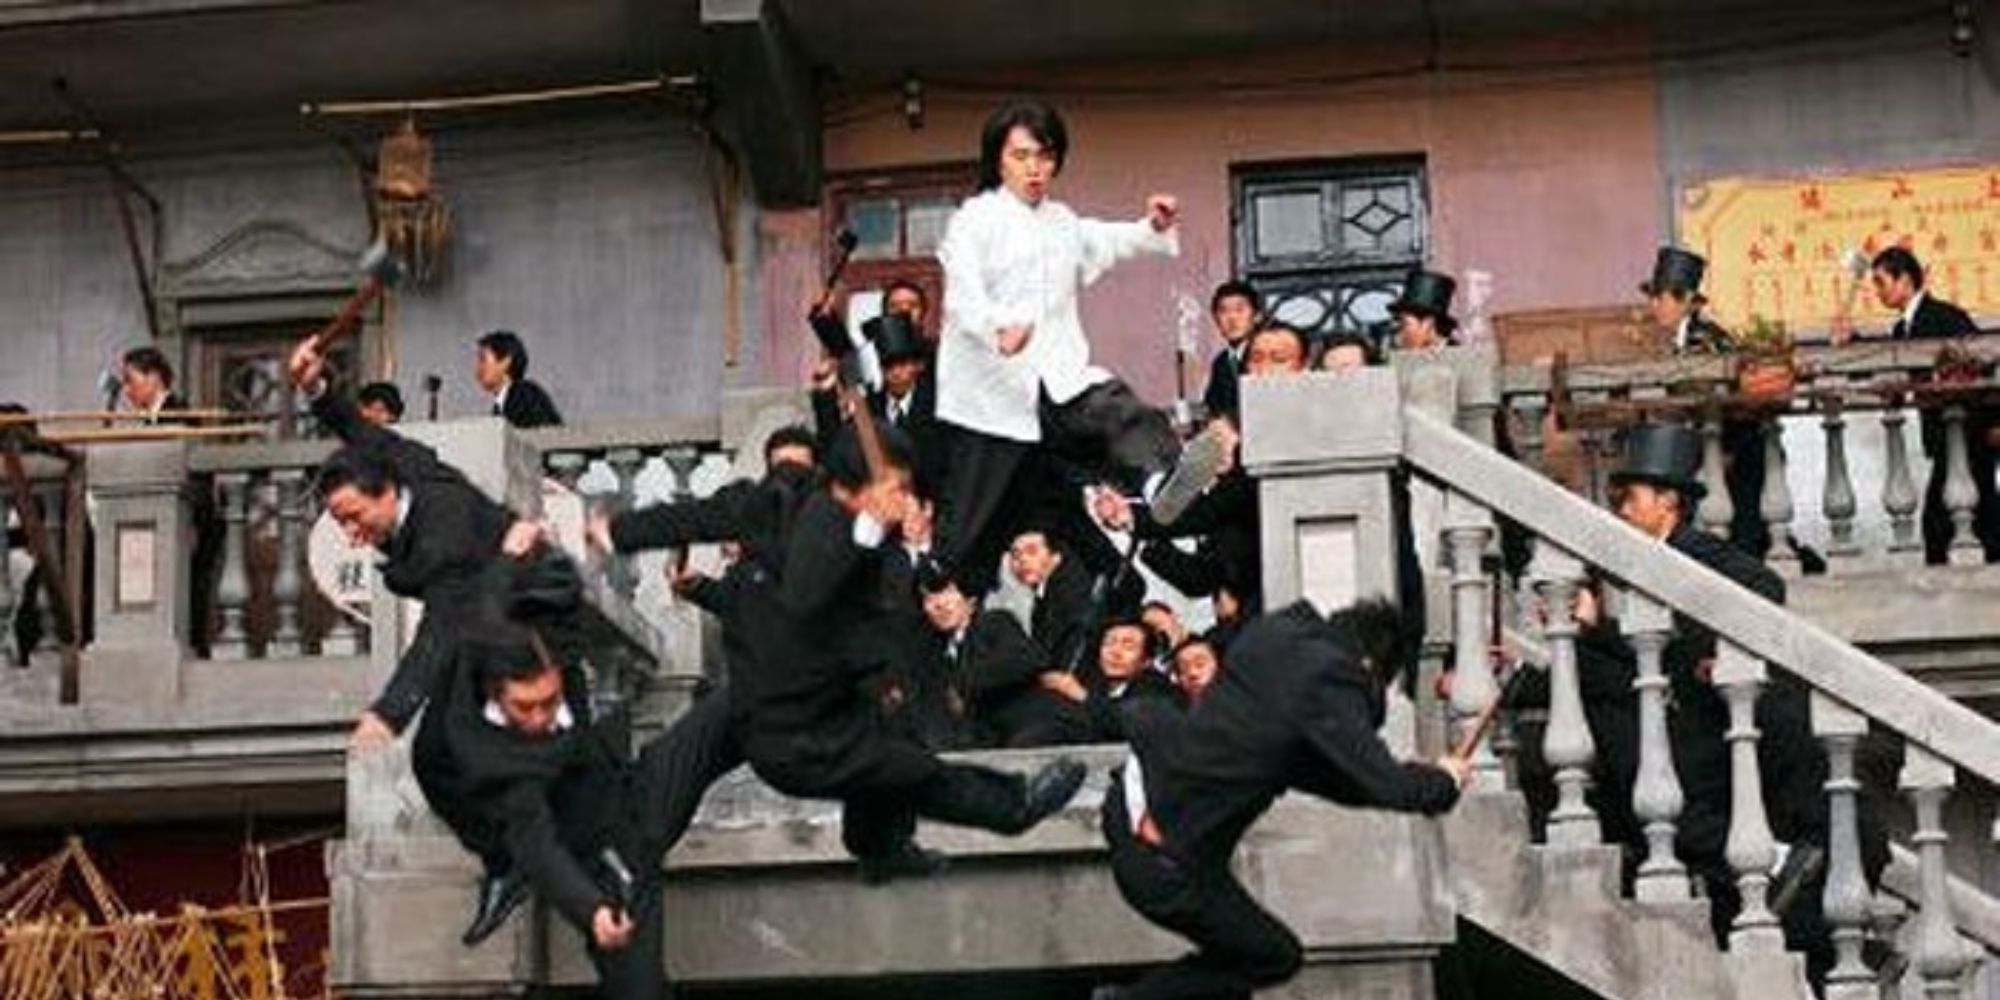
(981, 504)
(1239, 945)
(1743, 441)
(638, 970)
(676, 769)
(1108, 420)
(444, 787)
(1986, 516)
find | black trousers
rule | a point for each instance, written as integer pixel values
(677, 768)
(1936, 517)
(1239, 946)
(992, 485)
(638, 970)
(885, 783)
(448, 793)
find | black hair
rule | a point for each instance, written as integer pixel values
(152, 362)
(790, 436)
(1898, 262)
(1387, 639)
(384, 394)
(507, 651)
(848, 466)
(368, 468)
(1038, 118)
(1152, 635)
(1368, 354)
(1236, 289)
(905, 283)
(1304, 342)
(506, 346)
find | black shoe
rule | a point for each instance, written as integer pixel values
(499, 896)
(1803, 864)
(1811, 563)
(907, 860)
(1051, 788)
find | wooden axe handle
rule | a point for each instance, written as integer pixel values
(346, 321)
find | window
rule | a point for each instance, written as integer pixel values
(898, 219)
(1328, 243)
(242, 368)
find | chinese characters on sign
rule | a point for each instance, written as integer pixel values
(1779, 248)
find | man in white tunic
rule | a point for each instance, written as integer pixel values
(1013, 373)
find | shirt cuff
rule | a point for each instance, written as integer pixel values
(868, 532)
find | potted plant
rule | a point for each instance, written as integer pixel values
(1767, 361)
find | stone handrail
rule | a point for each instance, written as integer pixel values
(1849, 689)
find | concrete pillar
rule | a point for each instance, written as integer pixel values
(145, 546)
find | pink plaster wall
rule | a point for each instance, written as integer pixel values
(1551, 181)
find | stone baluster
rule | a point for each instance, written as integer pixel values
(567, 467)
(1750, 849)
(287, 584)
(1775, 504)
(1718, 510)
(1837, 497)
(1531, 408)
(232, 589)
(1847, 898)
(681, 463)
(1467, 530)
(1936, 952)
(1899, 488)
(1961, 495)
(1656, 795)
(625, 464)
(1566, 745)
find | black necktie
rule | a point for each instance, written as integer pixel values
(497, 410)
(1901, 329)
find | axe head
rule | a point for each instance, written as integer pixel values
(846, 240)
(1855, 261)
(378, 264)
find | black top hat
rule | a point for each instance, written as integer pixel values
(1427, 293)
(1675, 270)
(1664, 455)
(895, 337)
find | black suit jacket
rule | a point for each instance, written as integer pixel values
(1229, 554)
(1221, 396)
(1937, 319)
(1294, 709)
(529, 406)
(1062, 620)
(921, 424)
(559, 800)
(437, 555)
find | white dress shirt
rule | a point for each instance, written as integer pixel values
(1009, 263)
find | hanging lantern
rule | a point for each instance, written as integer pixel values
(405, 164)
(410, 216)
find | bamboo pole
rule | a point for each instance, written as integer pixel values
(503, 99)
(131, 435)
(124, 416)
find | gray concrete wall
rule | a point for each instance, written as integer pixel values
(593, 237)
(1895, 99)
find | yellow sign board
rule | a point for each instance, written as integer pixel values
(1780, 248)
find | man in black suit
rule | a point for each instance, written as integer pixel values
(802, 639)
(437, 534)
(380, 403)
(1898, 278)
(146, 380)
(500, 366)
(588, 824)
(1235, 307)
(1062, 616)
(1297, 709)
(906, 400)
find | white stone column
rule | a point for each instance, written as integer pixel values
(1899, 488)
(1656, 795)
(1837, 496)
(1567, 745)
(1961, 494)
(1750, 849)
(1846, 901)
(1718, 509)
(1468, 530)
(1939, 958)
